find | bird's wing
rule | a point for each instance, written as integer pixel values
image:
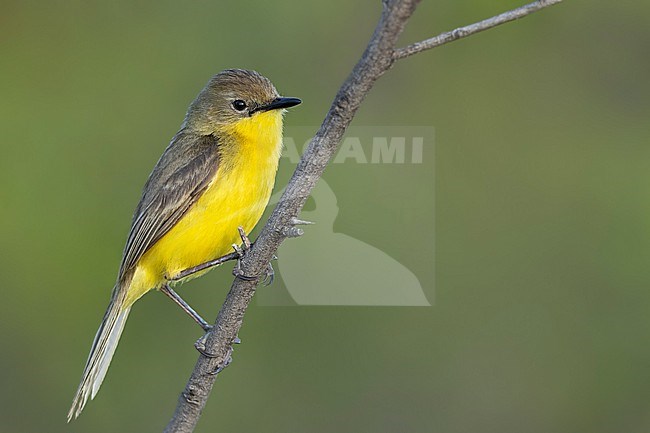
(182, 174)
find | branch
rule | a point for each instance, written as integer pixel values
(378, 57)
(463, 32)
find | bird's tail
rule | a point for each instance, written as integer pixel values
(101, 353)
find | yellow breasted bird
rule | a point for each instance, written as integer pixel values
(215, 176)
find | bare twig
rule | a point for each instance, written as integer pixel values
(379, 56)
(463, 32)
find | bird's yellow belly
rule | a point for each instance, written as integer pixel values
(237, 197)
(207, 231)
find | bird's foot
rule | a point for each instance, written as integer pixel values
(200, 344)
(268, 276)
(200, 347)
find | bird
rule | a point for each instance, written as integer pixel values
(208, 189)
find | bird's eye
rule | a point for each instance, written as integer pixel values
(239, 105)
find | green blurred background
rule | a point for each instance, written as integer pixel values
(542, 218)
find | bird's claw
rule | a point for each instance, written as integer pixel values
(267, 276)
(238, 273)
(200, 347)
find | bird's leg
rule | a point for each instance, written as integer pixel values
(290, 231)
(239, 252)
(236, 255)
(185, 306)
(203, 266)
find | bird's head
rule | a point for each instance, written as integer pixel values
(236, 98)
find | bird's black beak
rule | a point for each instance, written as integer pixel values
(276, 104)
